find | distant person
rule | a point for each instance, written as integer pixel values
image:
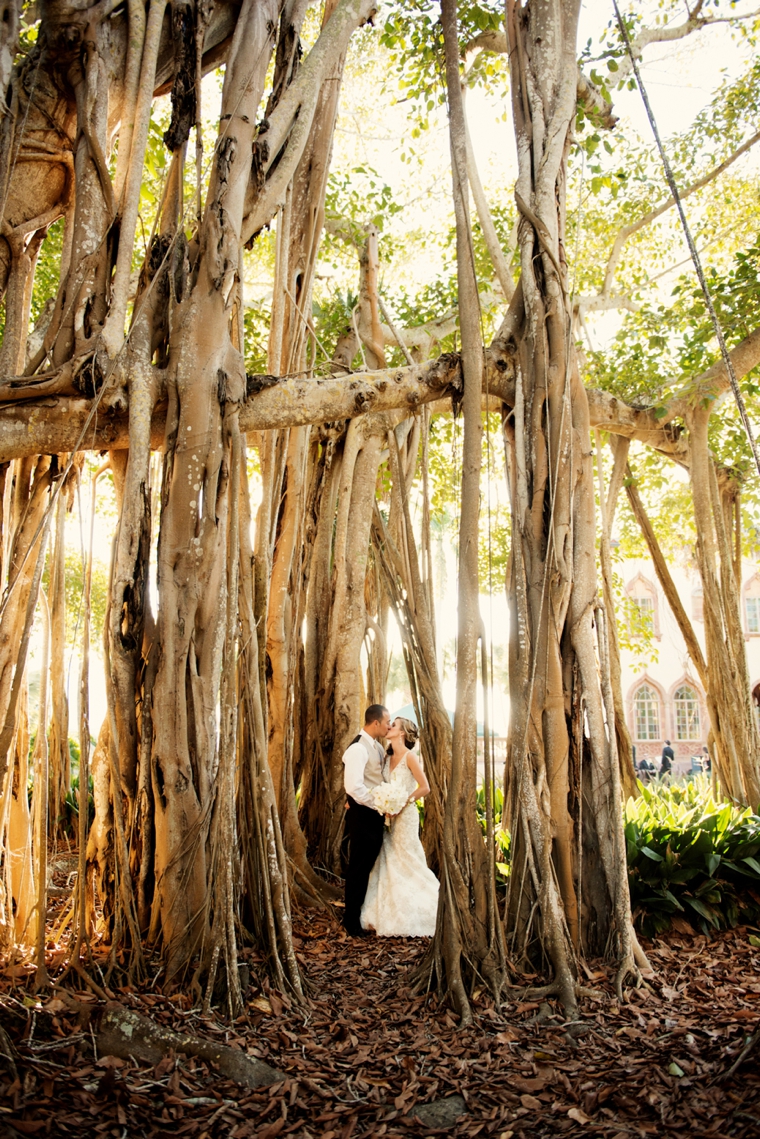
(666, 760)
(706, 761)
(646, 770)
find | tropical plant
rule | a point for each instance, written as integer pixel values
(500, 833)
(692, 856)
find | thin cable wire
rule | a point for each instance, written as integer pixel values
(690, 242)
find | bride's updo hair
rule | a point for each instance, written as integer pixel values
(410, 730)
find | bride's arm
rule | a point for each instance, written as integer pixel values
(423, 787)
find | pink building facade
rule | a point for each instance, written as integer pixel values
(663, 697)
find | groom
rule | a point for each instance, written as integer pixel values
(363, 762)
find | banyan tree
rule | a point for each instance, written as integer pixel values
(237, 672)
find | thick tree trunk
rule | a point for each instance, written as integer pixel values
(465, 938)
(338, 684)
(737, 743)
(569, 886)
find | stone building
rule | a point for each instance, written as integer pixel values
(663, 697)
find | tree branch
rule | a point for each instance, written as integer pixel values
(602, 303)
(612, 414)
(290, 123)
(714, 382)
(597, 109)
(53, 425)
(665, 34)
(646, 219)
(493, 41)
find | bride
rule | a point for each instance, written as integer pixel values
(402, 895)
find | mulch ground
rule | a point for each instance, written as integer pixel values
(367, 1053)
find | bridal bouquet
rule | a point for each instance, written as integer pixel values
(389, 799)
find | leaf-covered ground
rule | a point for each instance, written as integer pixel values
(366, 1054)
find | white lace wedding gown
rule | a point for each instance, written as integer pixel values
(402, 895)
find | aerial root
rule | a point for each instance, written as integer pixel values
(628, 967)
(553, 990)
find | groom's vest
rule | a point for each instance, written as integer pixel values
(373, 768)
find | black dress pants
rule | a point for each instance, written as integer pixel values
(364, 832)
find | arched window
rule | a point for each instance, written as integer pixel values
(644, 601)
(646, 707)
(686, 705)
(752, 604)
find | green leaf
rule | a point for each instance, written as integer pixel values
(705, 911)
(647, 850)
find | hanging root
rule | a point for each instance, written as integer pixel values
(639, 955)
(539, 992)
(633, 963)
(627, 968)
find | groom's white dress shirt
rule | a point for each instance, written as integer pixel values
(363, 763)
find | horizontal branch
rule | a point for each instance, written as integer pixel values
(613, 415)
(55, 425)
(669, 33)
(493, 41)
(714, 381)
(601, 303)
(609, 413)
(423, 336)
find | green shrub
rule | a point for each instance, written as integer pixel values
(501, 835)
(691, 856)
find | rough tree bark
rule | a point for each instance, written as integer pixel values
(737, 743)
(569, 886)
(465, 939)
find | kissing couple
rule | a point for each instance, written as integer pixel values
(389, 887)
